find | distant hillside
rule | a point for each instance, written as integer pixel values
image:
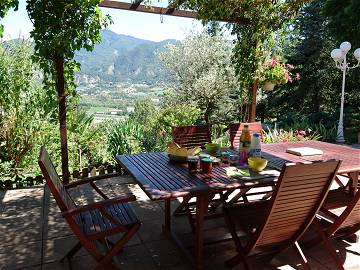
(122, 59)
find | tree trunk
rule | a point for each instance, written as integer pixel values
(60, 86)
(252, 115)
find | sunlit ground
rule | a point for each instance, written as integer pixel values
(34, 236)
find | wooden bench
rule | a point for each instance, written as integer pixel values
(92, 223)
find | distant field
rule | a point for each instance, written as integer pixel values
(93, 110)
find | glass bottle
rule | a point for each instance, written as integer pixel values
(244, 145)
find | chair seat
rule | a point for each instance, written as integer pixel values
(248, 216)
(94, 222)
(336, 201)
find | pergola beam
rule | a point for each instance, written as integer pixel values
(136, 4)
(149, 9)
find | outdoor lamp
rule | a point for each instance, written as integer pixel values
(345, 46)
(339, 56)
(357, 54)
(336, 54)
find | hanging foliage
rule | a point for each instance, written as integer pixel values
(5, 5)
(254, 23)
(61, 28)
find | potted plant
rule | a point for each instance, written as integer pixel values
(276, 73)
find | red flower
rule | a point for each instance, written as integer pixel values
(274, 62)
(301, 132)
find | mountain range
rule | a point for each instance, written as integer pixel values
(122, 59)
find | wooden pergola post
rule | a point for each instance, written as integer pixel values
(60, 86)
(252, 114)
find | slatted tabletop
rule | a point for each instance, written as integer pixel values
(277, 156)
(162, 179)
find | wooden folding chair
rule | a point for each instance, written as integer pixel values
(191, 136)
(343, 223)
(281, 221)
(92, 223)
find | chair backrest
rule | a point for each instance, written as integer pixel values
(191, 136)
(58, 190)
(235, 130)
(349, 217)
(299, 193)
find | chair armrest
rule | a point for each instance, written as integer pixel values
(100, 205)
(90, 179)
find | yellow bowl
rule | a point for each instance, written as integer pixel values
(257, 164)
(212, 147)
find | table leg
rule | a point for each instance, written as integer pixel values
(354, 178)
(242, 192)
(202, 203)
(167, 222)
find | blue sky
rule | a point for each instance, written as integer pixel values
(137, 24)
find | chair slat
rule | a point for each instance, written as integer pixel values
(61, 196)
(310, 194)
(191, 136)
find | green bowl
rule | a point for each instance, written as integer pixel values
(257, 164)
(212, 147)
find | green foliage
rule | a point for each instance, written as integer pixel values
(22, 106)
(254, 23)
(5, 5)
(63, 27)
(326, 134)
(125, 137)
(177, 115)
(144, 111)
(60, 29)
(316, 96)
(343, 17)
(86, 140)
(205, 76)
(149, 128)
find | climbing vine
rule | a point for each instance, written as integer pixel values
(61, 28)
(254, 23)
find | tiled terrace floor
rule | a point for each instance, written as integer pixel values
(33, 235)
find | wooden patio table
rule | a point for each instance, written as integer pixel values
(350, 166)
(161, 179)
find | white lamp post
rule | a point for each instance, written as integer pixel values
(339, 56)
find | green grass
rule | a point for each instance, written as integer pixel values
(93, 110)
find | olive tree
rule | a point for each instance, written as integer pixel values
(205, 76)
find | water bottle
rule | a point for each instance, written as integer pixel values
(255, 147)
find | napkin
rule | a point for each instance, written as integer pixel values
(236, 172)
